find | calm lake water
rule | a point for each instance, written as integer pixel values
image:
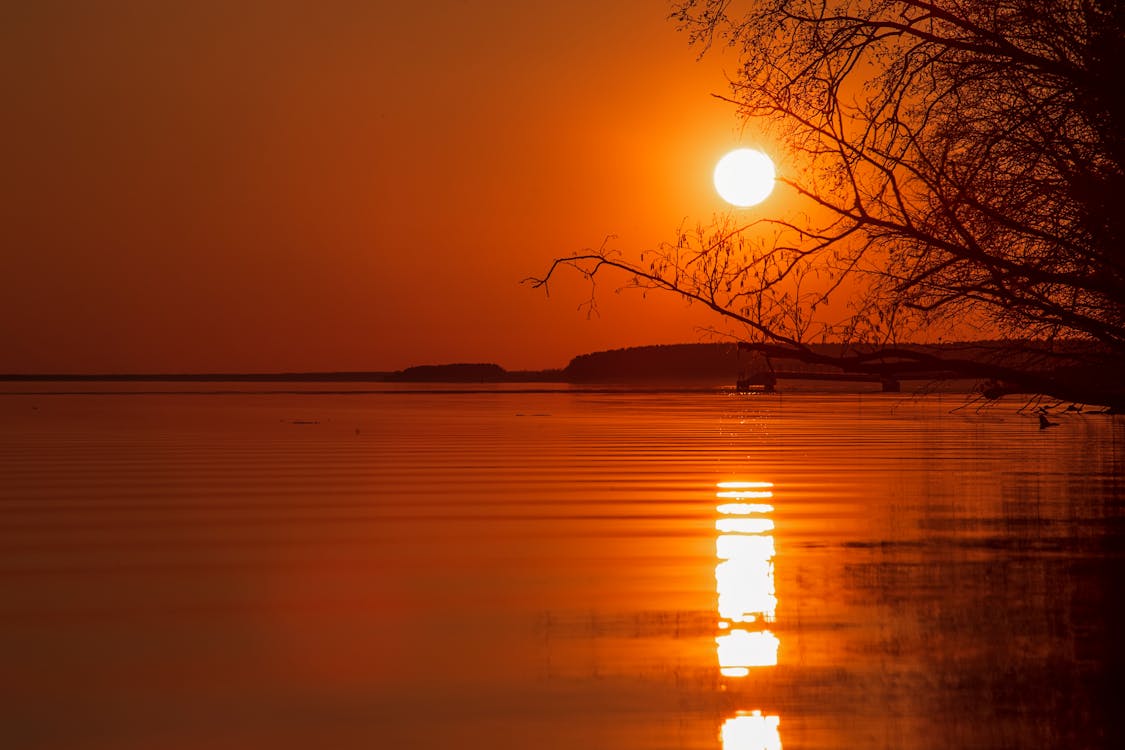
(557, 569)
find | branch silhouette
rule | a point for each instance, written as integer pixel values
(961, 167)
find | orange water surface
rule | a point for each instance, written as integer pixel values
(553, 568)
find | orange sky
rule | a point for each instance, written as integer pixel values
(262, 186)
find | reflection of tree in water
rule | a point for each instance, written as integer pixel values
(998, 626)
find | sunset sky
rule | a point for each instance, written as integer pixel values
(345, 185)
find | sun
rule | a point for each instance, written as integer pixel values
(744, 177)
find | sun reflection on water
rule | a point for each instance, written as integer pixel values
(744, 525)
(744, 580)
(743, 509)
(746, 649)
(751, 731)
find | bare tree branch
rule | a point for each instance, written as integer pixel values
(962, 163)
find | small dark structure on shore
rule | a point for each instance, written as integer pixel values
(759, 382)
(765, 381)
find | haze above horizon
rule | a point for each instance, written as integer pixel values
(190, 187)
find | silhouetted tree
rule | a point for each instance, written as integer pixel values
(962, 165)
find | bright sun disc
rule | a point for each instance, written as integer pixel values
(744, 177)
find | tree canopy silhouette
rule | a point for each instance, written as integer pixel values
(961, 166)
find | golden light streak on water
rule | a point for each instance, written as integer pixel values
(744, 509)
(751, 731)
(741, 649)
(745, 494)
(744, 485)
(746, 587)
(744, 525)
(744, 580)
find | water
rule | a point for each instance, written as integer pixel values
(555, 569)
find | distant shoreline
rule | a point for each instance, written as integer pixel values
(717, 363)
(713, 363)
(536, 376)
(218, 377)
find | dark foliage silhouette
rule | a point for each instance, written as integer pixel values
(961, 172)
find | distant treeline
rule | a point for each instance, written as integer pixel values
(470, 373)
(719, 363)
(452, 373)
(726, 362)
(710, 363)
(675, 362)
